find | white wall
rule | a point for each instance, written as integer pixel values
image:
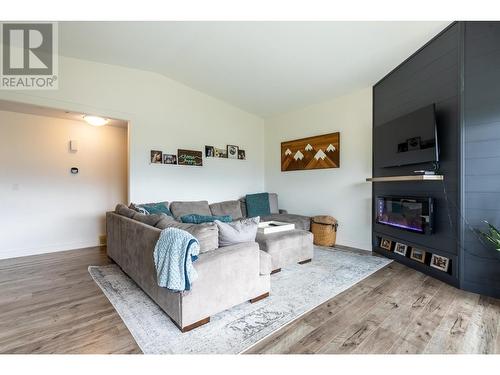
(46, 208)
(343, 192)
(167, 115)
(164, 115)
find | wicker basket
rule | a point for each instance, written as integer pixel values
(324, 229)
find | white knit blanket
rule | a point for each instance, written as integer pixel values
(174, 254)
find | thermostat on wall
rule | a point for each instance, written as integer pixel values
(73, 145)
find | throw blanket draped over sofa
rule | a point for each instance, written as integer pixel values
(174, 254)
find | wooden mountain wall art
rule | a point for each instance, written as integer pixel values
(319, 152)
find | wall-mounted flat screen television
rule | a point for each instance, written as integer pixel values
(409, 139)
(414, 214)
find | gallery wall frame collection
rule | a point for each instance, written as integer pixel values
(183, 157)
(230, 152)
(195, 157)
(438, 262)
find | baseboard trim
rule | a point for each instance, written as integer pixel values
(348, 248)
(23, 252)
(348, 242)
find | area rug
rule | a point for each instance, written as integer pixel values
(294, 291)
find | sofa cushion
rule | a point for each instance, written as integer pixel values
(152, 208)
(123, 210)
(258, 204)
(148, 219)
(199, 219)
(243, 230)
(265, 265)
(180, 209)
(301, 222)
(207, 234)
(231, 208)
(273, 203)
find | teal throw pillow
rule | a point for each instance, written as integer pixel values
(153, 208)
(258, 205)
(199, 219)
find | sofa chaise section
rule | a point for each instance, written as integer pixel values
(287, 248)
(301, 222)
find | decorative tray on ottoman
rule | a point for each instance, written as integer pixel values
(267, 227)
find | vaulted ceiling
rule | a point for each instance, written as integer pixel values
(265, 68)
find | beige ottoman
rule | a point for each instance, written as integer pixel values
(286, 248)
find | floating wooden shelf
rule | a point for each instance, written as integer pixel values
(420, 177)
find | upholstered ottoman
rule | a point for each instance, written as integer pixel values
(285, 248)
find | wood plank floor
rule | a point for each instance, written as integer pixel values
(50, 304)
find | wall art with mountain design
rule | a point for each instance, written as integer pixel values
(319, 152)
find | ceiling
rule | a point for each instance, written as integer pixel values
(265, 68)
(32, 109)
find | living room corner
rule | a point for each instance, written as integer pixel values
(341, 193)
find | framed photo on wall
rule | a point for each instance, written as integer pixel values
(169, 159)
(401, 249)
(418, 255)
(386, 244)
(232, 152)
(220, 153)
(156, 157)
(209, 151)
(439, 262)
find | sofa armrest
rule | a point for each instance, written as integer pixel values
(226, 277)
(131, 244)
(227, 260)
(283, 211)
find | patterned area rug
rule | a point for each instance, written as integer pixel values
(294, 291)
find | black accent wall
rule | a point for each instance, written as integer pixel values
(480, 271)
(459, 71)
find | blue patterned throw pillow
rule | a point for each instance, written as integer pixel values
(199, 219)
(152, 208)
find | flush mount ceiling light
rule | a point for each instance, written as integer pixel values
(95, 120)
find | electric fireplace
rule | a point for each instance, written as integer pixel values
(414, 214)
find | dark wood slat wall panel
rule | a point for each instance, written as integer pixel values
(481, 271)
(430, 76)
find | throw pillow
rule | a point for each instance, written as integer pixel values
(123, 210)
(152, 219)
(243, 230)
(227, 208)
(198, 219)
(273, 203)
(152, 208)
(164, 222)
(258, 205)
(207, 234)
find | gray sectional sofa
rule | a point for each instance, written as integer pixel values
(227, 276)
(301, 222)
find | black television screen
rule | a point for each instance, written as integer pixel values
(408, 213)
(410, 139)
